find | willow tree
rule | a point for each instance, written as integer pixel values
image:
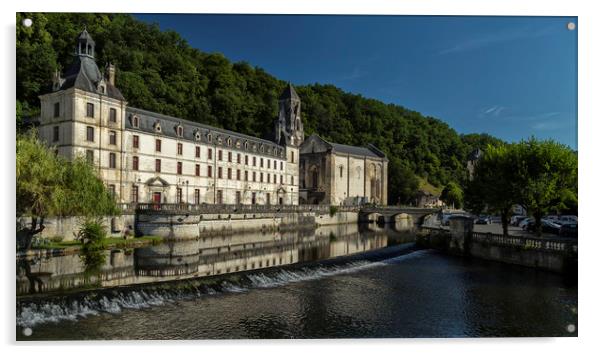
(49, 185)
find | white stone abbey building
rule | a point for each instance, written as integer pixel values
(147, 157)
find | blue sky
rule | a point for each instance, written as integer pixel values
(511, 77)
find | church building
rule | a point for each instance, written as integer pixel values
(338, 174)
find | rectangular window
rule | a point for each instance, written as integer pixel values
(158, 145)
(197, 196)
(238, 175)
(179, 168)
(55, 133)
(292, 156)
(238, 158)
(246, 175)
(135, 163)
(113, 115)
(134, 197)
(180, 148)
(209, 171)
(254, 161)
(179, 195)
(229, 156)
(112, 160)
(261, 177)
(90, 110)
(112, 138)
(90, 156)
(197, 170)
(247, 160)
(268, 175)
(136, 141)
(229, 173)
(281, 179)
(292, 180)
(57, 110)
(267, 201)
(197, 151)
(254, 176)
(261, 162)
(220, 197)
(238, 197)
(90, 133)
(219, 155)
(275, 164)
(219, 172)
(112, 190)
(157, 165)
(209, 154)
(269, 163)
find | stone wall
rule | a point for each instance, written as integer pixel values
(66, 228)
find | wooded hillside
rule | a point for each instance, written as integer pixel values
(158, 71)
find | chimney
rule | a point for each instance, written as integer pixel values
(111, 74)
(57, 81)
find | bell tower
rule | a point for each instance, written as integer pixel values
(288, 126)
(85, 45)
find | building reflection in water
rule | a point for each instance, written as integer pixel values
(204, 257)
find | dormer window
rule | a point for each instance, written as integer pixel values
(180, 130)
(101, 89)
(254, 147)
(229, 141)
(157, 127)
(209, 137)
(246, 145)
(219, 140)
(238, 144)
(135, 121)
(262, 149)
(197, 135)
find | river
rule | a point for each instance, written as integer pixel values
(337, 282)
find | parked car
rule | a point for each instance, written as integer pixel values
(516, 219)
(568, 230)
(483, 219)
(568, 219)
(547, 227)
(523, 224)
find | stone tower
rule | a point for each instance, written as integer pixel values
(288, 126)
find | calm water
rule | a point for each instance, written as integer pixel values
(381, 287)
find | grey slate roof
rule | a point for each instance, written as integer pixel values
(289, 92)
(147, 120)
(85, 75)
(475, 155)
(368, 151)
(354, 150)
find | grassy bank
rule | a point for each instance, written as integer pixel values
(108, 243)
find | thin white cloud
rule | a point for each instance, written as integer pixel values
(493, 111)
(498, 37)
(357, 73)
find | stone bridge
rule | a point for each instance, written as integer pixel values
(394, 215)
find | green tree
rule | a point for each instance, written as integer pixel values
(49, 185)
(452, 194)
(547, 174)
(495, 186)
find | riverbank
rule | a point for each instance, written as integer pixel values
(546, 253)
(62, 248)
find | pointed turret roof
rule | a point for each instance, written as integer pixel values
(289, 93)
(85, 36)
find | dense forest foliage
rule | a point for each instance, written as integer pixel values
(158, 71)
